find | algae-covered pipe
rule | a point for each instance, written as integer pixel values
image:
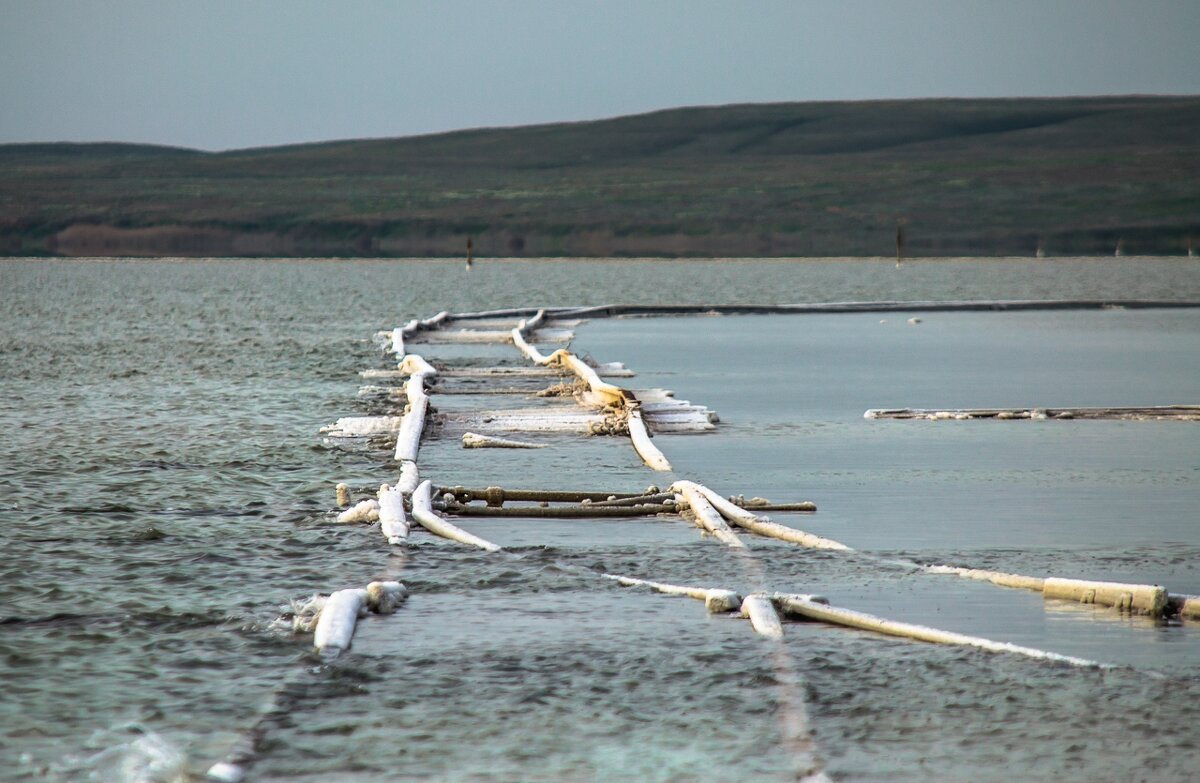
(654, 499)
(498, 495)
(588, 511)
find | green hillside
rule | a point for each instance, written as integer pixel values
(976, 177)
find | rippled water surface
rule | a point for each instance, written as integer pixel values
(164, 491)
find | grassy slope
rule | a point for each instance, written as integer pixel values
(969, 176)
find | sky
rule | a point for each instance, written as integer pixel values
(228, 74)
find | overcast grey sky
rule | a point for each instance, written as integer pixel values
(228, 74)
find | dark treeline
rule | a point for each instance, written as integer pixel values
(1073, 176)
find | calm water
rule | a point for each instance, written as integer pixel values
(165, 492)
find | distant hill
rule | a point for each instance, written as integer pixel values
(976, 177)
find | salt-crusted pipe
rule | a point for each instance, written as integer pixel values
(600, 391)
(995, 577)
(610, 369)
(707, 516)
(361, 426)
(473, 440)
(363, 511)
(408, 439)
(385, 597)
(392, 521)
(399, 333)
(436, 320)
(533, 354)
(760, 525)
(649, 453)
(493, 336)
(607, 393)
(409, 477)
(715, 599)
(796, 606)
(534, 322)
(381, 597)
(518, 337)
(763, 617)
(415, 364)
(1147, 599)
(343, 495)
(422, 511)
(335, 626)
(226, 772)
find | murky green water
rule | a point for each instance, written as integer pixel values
(165, 491)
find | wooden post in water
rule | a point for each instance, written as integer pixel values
(899, 242)
(1120, 251)
(1191, 250)
(470, 247)
(1041, 248)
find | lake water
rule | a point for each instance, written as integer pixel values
(165, 492)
